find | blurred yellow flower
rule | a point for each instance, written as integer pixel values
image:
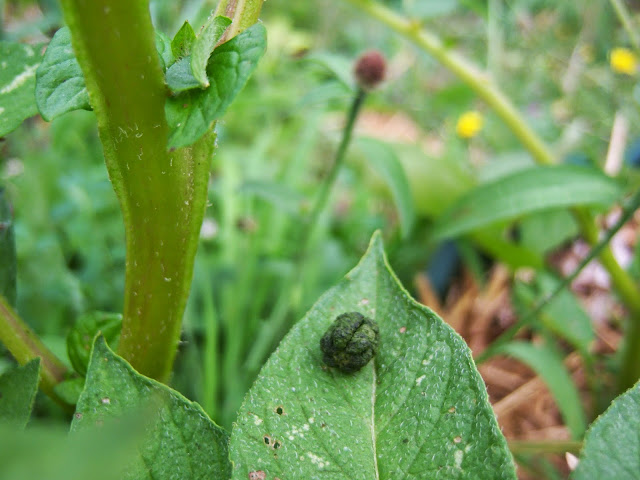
(623, 60)
(469, 124)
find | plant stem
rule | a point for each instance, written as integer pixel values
(24, 345)
(625, 19)
(479, 81)
(276, 322)
(243, 14)
(162, 194)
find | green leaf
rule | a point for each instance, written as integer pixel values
(18, 64)
(527, 191)
(81, 336)
(548, 365)
(612, 443)
(419, 410)
(183, 40)
(7, 251)
(563, 315)
(204, 44)
(50, 453)
(385, 161)
(421, 9)
(69, 390)
(339, 65)
(179, 76)
(60, 86)
(280, 195)
(18, 388)
(190, 114)
(181, 442)
(163, 46)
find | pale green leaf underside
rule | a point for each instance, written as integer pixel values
(60, 86)
(422, 412)
(526, 191)
(18, 64)
(180, 442)
(612, 443)
(18, 388)
(204, 44)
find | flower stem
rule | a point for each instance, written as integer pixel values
(622, 12)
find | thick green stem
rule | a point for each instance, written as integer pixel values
(162, 194)
(25, 345)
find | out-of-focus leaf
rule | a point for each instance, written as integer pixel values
(18, 388)
(524, 192)
(7, 251)
(544, 231)
(279, 195)
(60, 86)
(548, 365)
(418, 410)
(18, 64)
(191, 113)
(429, 9)
(69, 390)
(340, 66)
(180, 442)
(81, 336)
(612, 443)
(384, 160)
(563, 315)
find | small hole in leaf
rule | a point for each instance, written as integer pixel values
(276, 445)
(279, 410)
(267, 440)
(405, 440)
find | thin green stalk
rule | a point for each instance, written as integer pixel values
(24, 345)
(623, 14)
(211, 363)
(277, 321)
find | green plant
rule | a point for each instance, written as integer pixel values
(279, 244)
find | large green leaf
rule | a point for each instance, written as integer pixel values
(181, 441)
(420, 410)
(7, 251)
(546, 363)
(526, 191)
(60, 86)
(18, 64)
(191, 113)
(18, 388)
(612, 443)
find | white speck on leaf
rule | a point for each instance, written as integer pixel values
(420, 379)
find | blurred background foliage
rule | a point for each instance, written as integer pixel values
(277, 142)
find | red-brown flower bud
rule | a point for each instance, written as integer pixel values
(370, 69)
